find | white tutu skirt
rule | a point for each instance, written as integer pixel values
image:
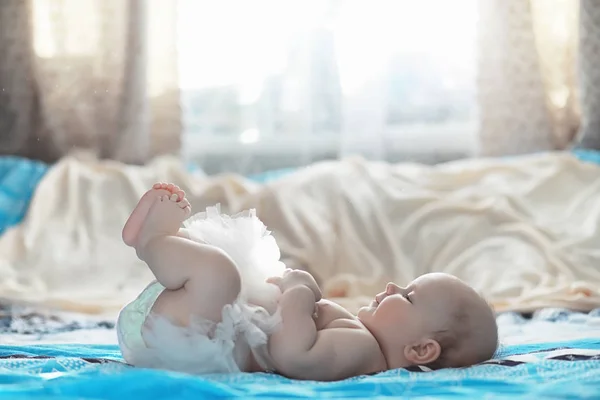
(152, 341)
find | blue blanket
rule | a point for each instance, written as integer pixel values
(538, 370)
(565, 369)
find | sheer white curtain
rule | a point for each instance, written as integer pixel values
(277, 83)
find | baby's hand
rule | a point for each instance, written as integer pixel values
(295, 277)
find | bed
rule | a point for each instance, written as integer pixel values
(549, 353)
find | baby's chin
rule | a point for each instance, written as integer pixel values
(366, 310)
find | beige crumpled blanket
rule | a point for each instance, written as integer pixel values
(523, 231)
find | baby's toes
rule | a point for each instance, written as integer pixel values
(180, 193)
(184, 203)
(185, 206)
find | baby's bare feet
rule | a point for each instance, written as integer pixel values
(137, 217)
(164, 218)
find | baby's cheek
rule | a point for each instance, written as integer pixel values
(395, 309)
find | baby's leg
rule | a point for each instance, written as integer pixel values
(137, 217)
(207, 275)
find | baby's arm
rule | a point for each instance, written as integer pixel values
(298, 332)
(338, 353)
(300, 351)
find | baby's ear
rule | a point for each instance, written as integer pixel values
(423, 352)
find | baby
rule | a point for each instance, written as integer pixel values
(206, 314)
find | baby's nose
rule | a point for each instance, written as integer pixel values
(392, 288)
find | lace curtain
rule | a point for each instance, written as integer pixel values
(539, 81)
(94, 74)
(527, 87)
(589, 74)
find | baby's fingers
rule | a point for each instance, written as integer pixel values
(275, 280)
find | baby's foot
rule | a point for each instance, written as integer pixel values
(137, 217)
(164, 218)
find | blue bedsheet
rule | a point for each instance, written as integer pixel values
(71, 371)
(541, 369)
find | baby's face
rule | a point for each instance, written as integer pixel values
(407, 314)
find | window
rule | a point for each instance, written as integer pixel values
(298, 76)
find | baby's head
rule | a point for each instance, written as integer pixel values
(436, 321)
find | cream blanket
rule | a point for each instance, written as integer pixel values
(523, 231)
